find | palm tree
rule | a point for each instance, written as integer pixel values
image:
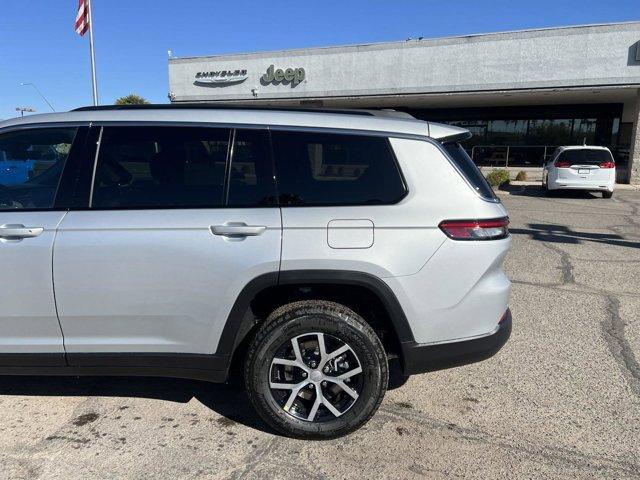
(131, 99)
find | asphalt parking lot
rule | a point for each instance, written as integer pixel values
(561, 400)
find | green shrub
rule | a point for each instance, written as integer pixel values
(522, 176)
(498, 177)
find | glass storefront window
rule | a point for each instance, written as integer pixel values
(531, 142)
(584, 130)
(506, 132)
(550, 132)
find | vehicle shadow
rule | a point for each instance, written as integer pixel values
(553, 233)
(228, 400)
(538, 191)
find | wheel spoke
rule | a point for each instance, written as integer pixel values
(350, 373)
(330, 407)
(287, 386)
(338, 351)
(290, 400)
(314, 408)
(352, 393)
(293, 395)
(296, 349)
(322, 347)
(329, 356)
(286, 361)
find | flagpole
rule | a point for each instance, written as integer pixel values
(93, 57)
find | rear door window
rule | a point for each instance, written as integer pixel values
(335, 169)
(469, 169)
(585, 157)
(161, 167)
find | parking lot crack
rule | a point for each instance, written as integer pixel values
(553, 454)
(613, 327)
(566, 266)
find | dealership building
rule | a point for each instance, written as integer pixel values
(521, 93)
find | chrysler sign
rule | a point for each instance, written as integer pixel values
(221, 77)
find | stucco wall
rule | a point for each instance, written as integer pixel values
(634, 152)
(565, 57)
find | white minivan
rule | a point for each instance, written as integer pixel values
(580, 167)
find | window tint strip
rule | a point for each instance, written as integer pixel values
(95, 166)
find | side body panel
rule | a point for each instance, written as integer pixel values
(27, 306)
(437, 300)
(156, 280)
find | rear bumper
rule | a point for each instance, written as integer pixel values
(574, 182)
(580, 186)
(427, 358)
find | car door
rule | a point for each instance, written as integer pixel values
(179, 220)
(31, 208)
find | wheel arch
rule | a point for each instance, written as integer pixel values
(241, 319)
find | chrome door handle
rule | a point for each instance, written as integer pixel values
(19, 231)
(237, 230)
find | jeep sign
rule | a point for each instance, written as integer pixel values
(289, 75)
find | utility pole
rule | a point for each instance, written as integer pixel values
(24, 109)
(24, 84)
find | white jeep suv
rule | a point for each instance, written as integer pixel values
(307, 247)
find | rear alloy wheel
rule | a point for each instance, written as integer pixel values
(316, 370)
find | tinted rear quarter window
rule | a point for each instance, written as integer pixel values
(335, 169)
(469, 170)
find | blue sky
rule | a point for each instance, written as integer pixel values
(38, 43)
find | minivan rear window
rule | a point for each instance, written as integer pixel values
(585, 156)
(469, 170)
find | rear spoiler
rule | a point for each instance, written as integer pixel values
(444, 133)
(456, 137)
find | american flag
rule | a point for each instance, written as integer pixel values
(82, 18)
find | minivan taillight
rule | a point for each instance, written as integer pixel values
(607, 165)
(561, 164)
(493, 229)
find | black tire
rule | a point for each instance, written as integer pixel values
(606, 194)
(336, 323)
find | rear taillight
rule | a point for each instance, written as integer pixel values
(561, 164)
(607, 165)
(493, 229)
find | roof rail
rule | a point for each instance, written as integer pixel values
(217, 106)
(221, 106)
